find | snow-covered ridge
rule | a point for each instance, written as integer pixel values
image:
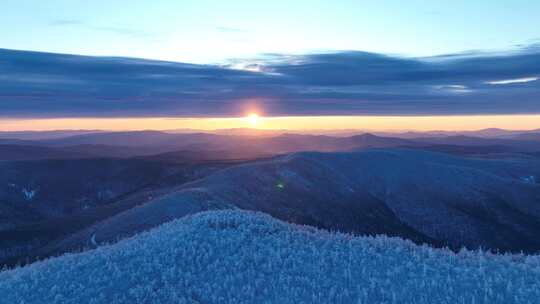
(245, 257)
(431, 198)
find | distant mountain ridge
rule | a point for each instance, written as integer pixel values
(147, 143)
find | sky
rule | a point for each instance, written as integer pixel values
(206, 31)
(222, 59)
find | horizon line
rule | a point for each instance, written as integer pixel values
(382, 123)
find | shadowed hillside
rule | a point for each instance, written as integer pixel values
(426, 197)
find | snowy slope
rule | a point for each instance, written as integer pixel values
(426, 197)
(245, 257)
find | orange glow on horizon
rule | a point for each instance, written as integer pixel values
(304, 123)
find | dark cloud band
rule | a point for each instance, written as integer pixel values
(34, 84)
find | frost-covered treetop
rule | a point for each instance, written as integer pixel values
(244, 257)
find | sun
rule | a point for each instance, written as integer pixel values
(253, 119)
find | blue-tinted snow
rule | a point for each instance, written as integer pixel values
(244, 257)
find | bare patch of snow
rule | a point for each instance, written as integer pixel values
(29, 194)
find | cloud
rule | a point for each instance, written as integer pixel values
(454, 88)
(512, 81)
(111, 29)
(66, 22)
(122, 31)
(53, 85)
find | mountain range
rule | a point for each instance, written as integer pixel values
(74, 192)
